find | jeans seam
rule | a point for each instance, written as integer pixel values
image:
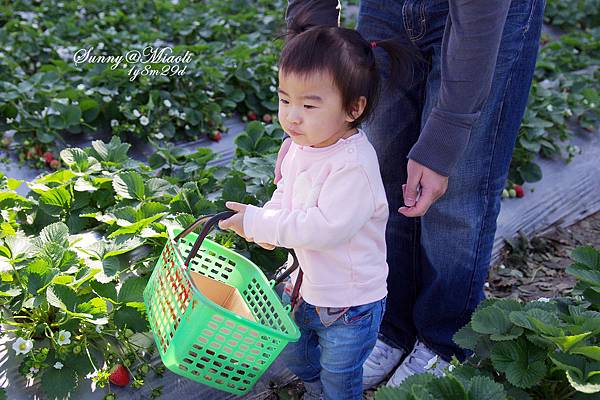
(422, 22)
(489, 171)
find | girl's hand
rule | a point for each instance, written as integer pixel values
(236, 222)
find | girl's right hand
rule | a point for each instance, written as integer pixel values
(285, 146)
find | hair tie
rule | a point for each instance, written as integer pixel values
(373, 44)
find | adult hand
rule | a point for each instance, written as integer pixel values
(423, 187)
(285, 146)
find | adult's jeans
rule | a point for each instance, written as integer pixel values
(439, 262)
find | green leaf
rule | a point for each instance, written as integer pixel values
(234, 189)
(587, 255)
(490, 320)
(157, 187)
(62, 297)
(75, 158)
(584, 386)
(592, 352)
(531, 172)
(584, 273)
(565, 343)
(447, 388)
(58, 384)
(94, 306)
(56, 200)
(71, 115)
(90, 109)
(61, 177)
(106, 290)
(122, 246)
(483, 388)
(133, 290)
(127, 317)
(537, 320)
(57, 233)
(255, 130)
(393, 393)
(522, 362)
(569, 362)
(114, 151)
(130, 185)
(20, 247)
(514, 333)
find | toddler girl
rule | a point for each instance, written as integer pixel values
(330, 206)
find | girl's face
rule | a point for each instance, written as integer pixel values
(310, 110)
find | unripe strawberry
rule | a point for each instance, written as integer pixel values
(55, 164)
(251, 115)
(505, 194)
(512, 193)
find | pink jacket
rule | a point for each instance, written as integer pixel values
(330, 207)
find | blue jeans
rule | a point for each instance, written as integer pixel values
(439, 262)
(334, 352)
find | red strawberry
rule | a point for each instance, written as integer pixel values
(119, 376)
(55, 164)
(215, 136)
(519, 190)
(48, 156)
(251, 115)
(267, 118)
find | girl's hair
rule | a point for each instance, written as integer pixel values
(346, 55)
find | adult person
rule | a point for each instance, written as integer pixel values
(444, 142)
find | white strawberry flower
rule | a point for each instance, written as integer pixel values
(22, 346)
(114, 122)
(167, 103)
(144, 120)
(136, 113)
(58, 365)
(64, 337)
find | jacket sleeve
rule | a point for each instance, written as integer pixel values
(345, 204)
(469, 53)
(323, 12)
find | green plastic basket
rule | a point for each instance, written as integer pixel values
(201, 340)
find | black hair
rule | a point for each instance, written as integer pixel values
(346, 55)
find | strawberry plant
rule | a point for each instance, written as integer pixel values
(546, 349)
(75, 254)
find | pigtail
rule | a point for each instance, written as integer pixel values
(402, 58)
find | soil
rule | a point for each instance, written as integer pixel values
(534, 268)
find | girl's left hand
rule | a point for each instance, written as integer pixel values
(236, 222)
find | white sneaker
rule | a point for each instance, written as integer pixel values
(382, 360)
(420, 360)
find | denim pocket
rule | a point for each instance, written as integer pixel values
(359, 314)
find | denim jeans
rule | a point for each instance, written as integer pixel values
(334, 352)
(439, 262)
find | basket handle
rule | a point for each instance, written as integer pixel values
(213, 219)
(288, 271)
